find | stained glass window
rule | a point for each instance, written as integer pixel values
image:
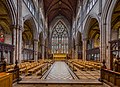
(60, 38)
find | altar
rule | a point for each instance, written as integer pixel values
(59, 56)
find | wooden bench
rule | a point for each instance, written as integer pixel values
(33, 70)
(43, 69)
(78, 66)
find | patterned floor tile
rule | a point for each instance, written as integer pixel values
(59, 71)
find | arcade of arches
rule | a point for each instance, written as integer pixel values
(46, 42)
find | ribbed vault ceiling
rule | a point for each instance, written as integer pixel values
(66, 8)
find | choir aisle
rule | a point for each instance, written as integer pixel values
(60, 75)
(59, 71)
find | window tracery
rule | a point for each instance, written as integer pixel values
(60, 39)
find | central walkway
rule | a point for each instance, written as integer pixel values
(59, 71)
(59, 75)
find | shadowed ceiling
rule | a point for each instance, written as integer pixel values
(66, 8)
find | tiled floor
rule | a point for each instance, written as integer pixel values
(59, 71)
(95, 74)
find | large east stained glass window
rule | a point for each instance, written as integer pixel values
(60, 38)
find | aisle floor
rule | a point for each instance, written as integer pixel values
(59, 71)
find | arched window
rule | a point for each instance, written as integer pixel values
(60, 38)
(31, 7)
(90, 4)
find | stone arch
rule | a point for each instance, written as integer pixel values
(11, 8)
(34, 25)
(107, 25)
(106, 16)
(108, 19)
(7, 23)
(105, 30)
(87, 22)
(91, 34)
(59, 38)
(63, 19)
(8, 19)
(62, 23)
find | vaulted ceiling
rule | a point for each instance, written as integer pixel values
(66, 8)
(5, 19)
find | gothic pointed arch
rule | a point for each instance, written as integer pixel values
(114, 30)
(7, 20)
(32, 21)
(92, 35)
(60, 38)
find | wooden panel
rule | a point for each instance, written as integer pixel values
(110, 77)
(5, 80)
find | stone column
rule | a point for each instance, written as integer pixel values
(73, 53)
(70, 47)
(84, 49)
(103, 43)
(47, 52)
(43, 52)
(76, 51)
(46, 48)
(36, 50)
(17, 33)
(43, 49)
(17, 42)
(14, 42)
(20, 44)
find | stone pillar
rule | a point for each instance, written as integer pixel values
(84, 49)
(43, 52)
(20, 44)
(13, 28)
(103, 43)
(36, 50)
(76, 52)
(17, 42)
(72, 52)
(46, 48)
(47, 52)
(17, 33)
(70, 47)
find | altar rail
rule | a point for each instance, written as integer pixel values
(110, 77)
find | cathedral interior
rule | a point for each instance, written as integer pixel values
(59, 43)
